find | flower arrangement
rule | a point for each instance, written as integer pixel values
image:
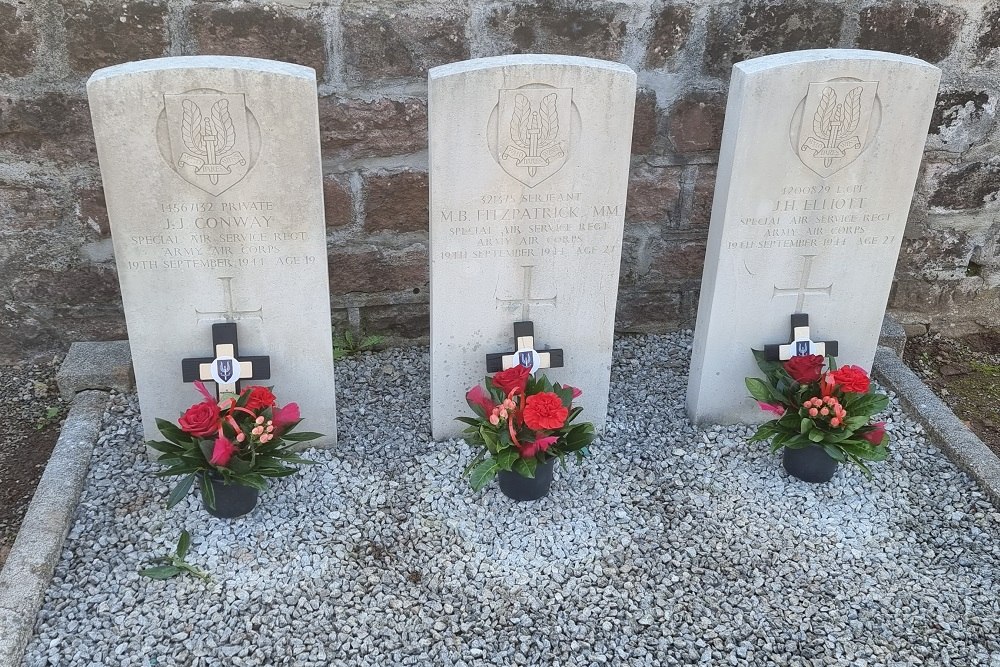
(831, 408)
(521, 421)
(244, 438)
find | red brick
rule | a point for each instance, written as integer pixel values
(989, 30)
(52, 308)
(260, 32)
(924, 30)
(700, 213)
(678, 260)
(379, 128)
(670, 33)
(593, 29)
(53, 125)
(93, 210)
(695, 122)
(370, 269)
(99, 34)
(396, 202)
(401, 320)
(18, 40)
(649, 311)
(653, 195)
(967, 186)
(758, 28)
(645, 121)
(337, 202)
(26, 207)
(388, 40)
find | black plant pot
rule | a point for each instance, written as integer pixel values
(231, 500)
(517, 487)
(810, 464)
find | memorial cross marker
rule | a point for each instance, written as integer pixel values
(802, 343)
(524, 353)
(213, 180)
(227, 368)
(820, 153)
(529, 160)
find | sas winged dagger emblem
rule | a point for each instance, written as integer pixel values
(209, 139)
(835, 124)
(533, 132)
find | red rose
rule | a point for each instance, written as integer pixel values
(875, 434)
(515, 377)
(285, 416)
(222, 452)
(260, 397)
(806, 368)
(544, 411)
(851, 379)
(201, 419)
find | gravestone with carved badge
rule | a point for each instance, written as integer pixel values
(529, 163)
(213, 180)
(820, 153)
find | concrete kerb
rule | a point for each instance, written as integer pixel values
(89, 372)
(960, 444)
(36, 551)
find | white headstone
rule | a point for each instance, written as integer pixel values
(212, 175)
(820, 154)
(529, 161)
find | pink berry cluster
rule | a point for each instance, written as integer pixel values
(827, 407)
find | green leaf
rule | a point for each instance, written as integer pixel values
(164, 447)
(835, 453)
(160, 572)
(183, 544)
(301, 437)
(806, 425)
(758, 389)
(506, 458)
(816, 435)
(180, 490)
(483, 474)
(207, 492)
(525, 467)
(471, 421)
(172, 433)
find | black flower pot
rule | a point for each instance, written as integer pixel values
(231, 500)
(810, 464)
(518, 487)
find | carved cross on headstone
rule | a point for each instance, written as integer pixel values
(526, 301)
(803, 289)
(801, 343)
(227, 369)
(230, 314)
(524, 353)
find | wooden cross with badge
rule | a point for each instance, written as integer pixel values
(524, 353)
(801, 343)
(227, 369)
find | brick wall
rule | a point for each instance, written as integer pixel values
(57, 276)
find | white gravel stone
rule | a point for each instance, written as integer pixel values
(672, 546)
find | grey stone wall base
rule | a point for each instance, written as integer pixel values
(959, 443)
(29, 567)
(103, 366)
(893, 335)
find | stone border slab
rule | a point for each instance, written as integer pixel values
(29, 567)
(959, 443)
(103, 366)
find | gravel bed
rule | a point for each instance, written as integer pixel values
(673, 545)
